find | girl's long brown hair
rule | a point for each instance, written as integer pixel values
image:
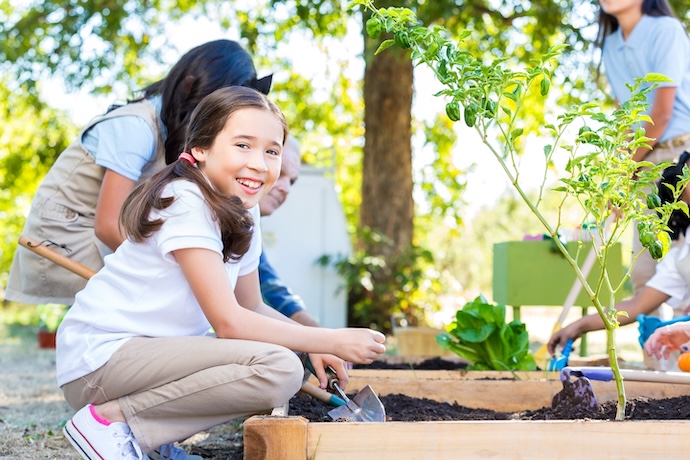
(207, 121)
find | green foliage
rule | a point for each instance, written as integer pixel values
(481, 335)
(602, 178)
(410, 280)
(97, 43)
(330, 131)
(91, 43)
(32, 135)
(50, 315)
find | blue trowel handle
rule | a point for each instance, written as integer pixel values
(567, 349)
(606, 374)
(595, 373)
(556, 364)
(322, 395)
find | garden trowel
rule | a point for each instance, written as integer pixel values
(579, 392)
(365, 406)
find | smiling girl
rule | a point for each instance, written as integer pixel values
(134, 355)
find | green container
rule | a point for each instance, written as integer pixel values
(536, 273)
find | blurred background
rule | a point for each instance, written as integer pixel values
(416, 203)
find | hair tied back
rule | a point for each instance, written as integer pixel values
(187, 156)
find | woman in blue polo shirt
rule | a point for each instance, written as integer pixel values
(638, 37)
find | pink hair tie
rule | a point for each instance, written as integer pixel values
(187, 156)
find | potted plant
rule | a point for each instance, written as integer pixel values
(50, 316)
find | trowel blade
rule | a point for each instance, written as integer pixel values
(578, 392)
(365, 406)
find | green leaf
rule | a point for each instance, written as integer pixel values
(656, 78)
(384, 45)
(515, 134)
(480, 331)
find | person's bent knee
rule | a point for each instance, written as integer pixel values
(285, 373)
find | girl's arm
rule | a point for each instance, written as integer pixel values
(645, 302)
(248, 294)
(114, 191)
(661, 113)
(209, 281)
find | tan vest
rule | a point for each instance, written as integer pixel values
(63, 211)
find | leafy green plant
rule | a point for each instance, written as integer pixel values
(50, 316)
(481, 335)
(612, 189)
(407, 283)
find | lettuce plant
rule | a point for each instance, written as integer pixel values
(481, 335)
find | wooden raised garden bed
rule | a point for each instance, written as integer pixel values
(295, 438)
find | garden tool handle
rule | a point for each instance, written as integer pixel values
(54, 256)
(606, 374)
(556, 364)
(322, 395)
(333, 381)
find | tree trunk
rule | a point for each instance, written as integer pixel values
(387, 207)
(387, 204)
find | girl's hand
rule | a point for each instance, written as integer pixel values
(358, 345)
(321, 361)
(667, 339)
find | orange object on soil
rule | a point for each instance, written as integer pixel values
(684, 362)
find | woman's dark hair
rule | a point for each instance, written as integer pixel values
(678, 222)
(206, 122)
(609, 24)
(198, 73)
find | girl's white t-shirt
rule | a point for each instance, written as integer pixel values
(141, 290)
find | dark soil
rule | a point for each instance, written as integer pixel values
(431, 364)
(401, 408)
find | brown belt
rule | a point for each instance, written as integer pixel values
(673, 142)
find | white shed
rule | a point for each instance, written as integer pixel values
(308, 225)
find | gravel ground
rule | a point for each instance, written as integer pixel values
(33, 411)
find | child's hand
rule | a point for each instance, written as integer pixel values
(321, 361)
(668, 338)
(358, 345)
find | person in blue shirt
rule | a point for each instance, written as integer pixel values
(638, 37)
(274, 291)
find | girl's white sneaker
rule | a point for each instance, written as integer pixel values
(95, 441)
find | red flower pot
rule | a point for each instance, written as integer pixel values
(46, 339)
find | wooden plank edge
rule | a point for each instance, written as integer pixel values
(497, 439)
(268, 437)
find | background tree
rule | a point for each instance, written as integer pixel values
(31, 136)
(110, 47)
